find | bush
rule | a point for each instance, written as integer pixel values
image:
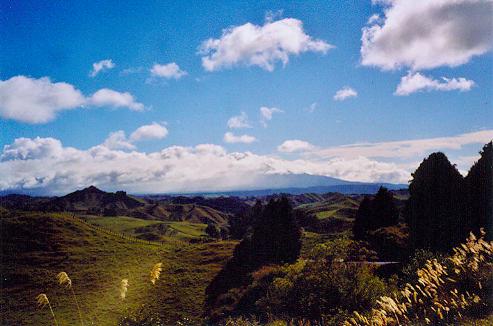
(323, 286)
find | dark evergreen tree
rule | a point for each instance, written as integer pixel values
(275, 239)
(375, 213)
(276, 236)
(479, 186)
(385, 212)
(434, 208)
(363, 216)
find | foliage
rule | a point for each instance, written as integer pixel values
(375, 213)
(322, 286)
(275, 239)
(391, 242)
(434, 208)
(479, 186)
(442, 294)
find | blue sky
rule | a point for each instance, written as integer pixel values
(291, 56)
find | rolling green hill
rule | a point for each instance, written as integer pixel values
(36, 246)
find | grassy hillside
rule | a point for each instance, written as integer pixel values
(36, 246)
(150, 229)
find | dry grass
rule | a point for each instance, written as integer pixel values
(156, 272)
(123, 288)
(43, 301)
(442, 294)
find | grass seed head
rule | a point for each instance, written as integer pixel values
(63, 279)
(155, 272)
(42, 300)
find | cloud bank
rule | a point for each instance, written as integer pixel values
(173, 169)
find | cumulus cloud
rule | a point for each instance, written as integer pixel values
(425, 34)
(173, 169)
(32, 100)
(239, 121)
(345, 93)
(111, 98)
(231, 138)
(416, 82)
(119, 140)
(102, 65)
(406, 148)
(295, 145)
(262, 46)
(266, 114)
(147, 132)
(168, 71)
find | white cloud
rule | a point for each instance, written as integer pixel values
(32, 100)
(425, 34)
(406, 149)
(173, 169)
(345, 93)
(102, 65)
(207, 167)
(266, 114)
(152, 131)
(295, 145)
(118, 140)
(262, 46)
(416, 82)
(231, 138)
(168, 71)
(111, 98)
(239, 121)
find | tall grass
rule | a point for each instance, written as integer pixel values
(63, 279)
(156, 272)
(123, 288)
(42, 300)
(442, 294)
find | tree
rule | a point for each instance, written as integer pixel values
(434, 208)
(363, 216)
(375, 213)
(479, 185)
(276, 236)
(275, 239)
(385, 212)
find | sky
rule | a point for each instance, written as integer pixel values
(177, 96)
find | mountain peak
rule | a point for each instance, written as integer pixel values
(92, 188)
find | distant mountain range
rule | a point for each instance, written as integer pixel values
(296, 184)
(265, 185)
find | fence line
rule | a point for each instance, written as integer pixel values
(123, 235)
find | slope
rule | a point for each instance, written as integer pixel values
(36, 246)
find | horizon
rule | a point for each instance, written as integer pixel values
(180, 98)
